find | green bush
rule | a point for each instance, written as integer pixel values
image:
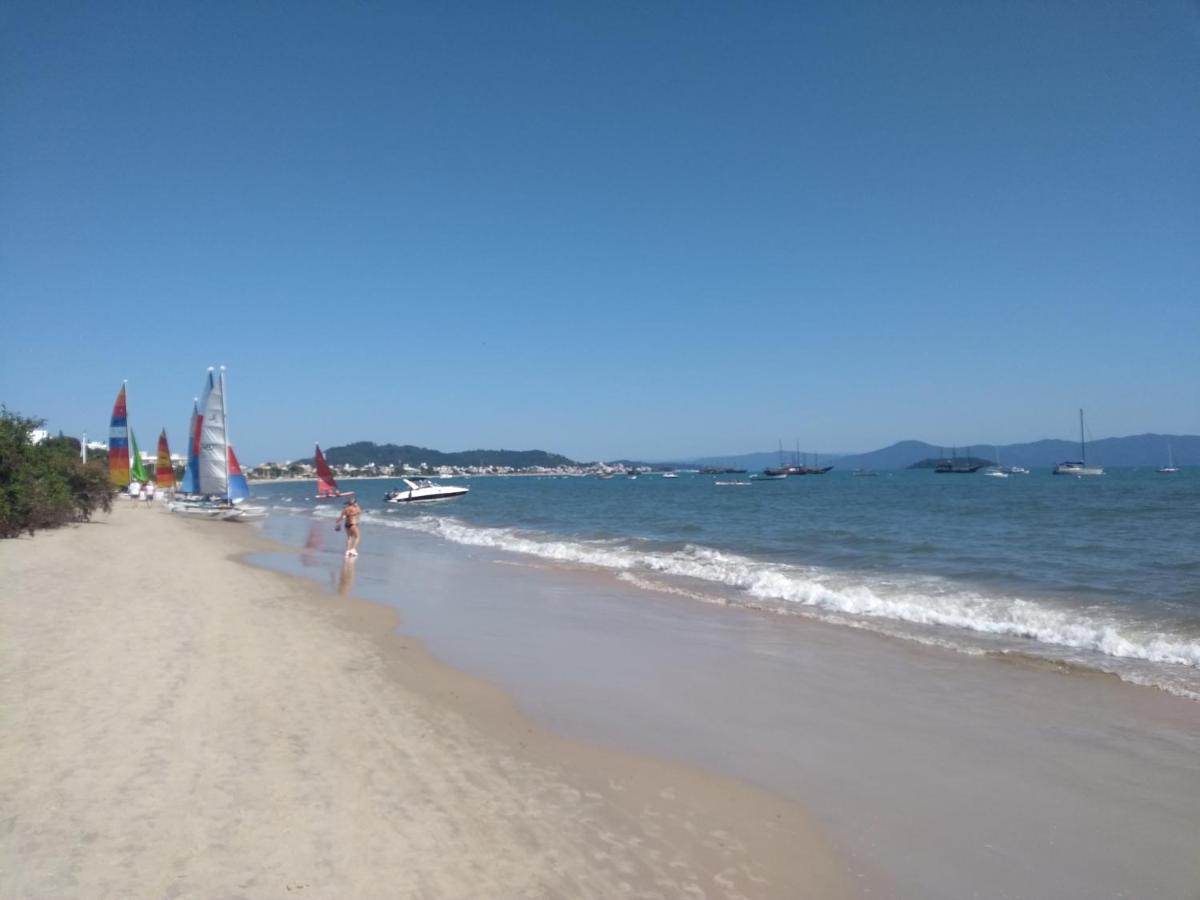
(45, 485)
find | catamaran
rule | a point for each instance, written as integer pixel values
(118, 442)
(326, 484)
(164, 473)
(218, 486)
(137, 468)
(1078, 467)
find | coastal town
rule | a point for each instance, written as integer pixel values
(272, 471)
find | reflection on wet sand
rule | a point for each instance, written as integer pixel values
(346, 581)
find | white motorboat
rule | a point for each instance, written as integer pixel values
(423, 490)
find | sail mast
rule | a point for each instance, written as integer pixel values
(225, 420)
(1082, 449)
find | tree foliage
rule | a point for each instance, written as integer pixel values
(45, 485)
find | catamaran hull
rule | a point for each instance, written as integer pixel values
(1078, 471)
(220, 513)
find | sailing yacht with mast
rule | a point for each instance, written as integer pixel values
(1170, 468)
(1078, 467)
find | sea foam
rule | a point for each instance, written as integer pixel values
(917, 601)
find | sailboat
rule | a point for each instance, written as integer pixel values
(164, 472)
(118, 442)
(137, 468)
(777, 473)
(326, 484)
(1078, 467)
(218, 476)
(1170, 467)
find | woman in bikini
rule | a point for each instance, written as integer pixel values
(350, 514)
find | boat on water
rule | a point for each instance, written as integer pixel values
(956, 466)
(213, 486)
(770, 475)
(1078, 467)
(422, 490)
(864, 473)
(327, 487)
(732, 483)
(996, 471)
(1170, 468)
(670, 475)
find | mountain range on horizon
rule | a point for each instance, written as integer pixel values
(1132, 450)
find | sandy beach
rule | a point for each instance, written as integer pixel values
(180, 724)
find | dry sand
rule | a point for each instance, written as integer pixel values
(177, 724)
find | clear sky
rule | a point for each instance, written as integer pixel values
(604, 229)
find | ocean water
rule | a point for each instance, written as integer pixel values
(1101, 573)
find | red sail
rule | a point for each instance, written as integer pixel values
(326, 486)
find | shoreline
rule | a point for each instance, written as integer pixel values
(932, 771)
(191, 724)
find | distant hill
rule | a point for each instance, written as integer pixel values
(753, 462)
(363, 452)
(1134, 450)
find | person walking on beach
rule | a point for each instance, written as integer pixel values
(350, 513)
(149, 491)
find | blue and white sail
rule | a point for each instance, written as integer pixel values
(190, 484)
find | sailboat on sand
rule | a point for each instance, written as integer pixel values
(118, 442)
(137, 468)
(220, 489)
(164, 472)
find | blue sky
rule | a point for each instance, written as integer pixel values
(616, 229)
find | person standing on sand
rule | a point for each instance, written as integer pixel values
(350, 514)
(149, 491)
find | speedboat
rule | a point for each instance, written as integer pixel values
(414, 491)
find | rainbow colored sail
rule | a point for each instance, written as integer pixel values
(164, 473)
(118, 443)
(326, 485)
(137, 468)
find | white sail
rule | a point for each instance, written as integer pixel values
(214, 458)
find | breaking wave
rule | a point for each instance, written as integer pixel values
(929, 601)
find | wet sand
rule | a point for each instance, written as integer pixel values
(178, 724)
(936, 774)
